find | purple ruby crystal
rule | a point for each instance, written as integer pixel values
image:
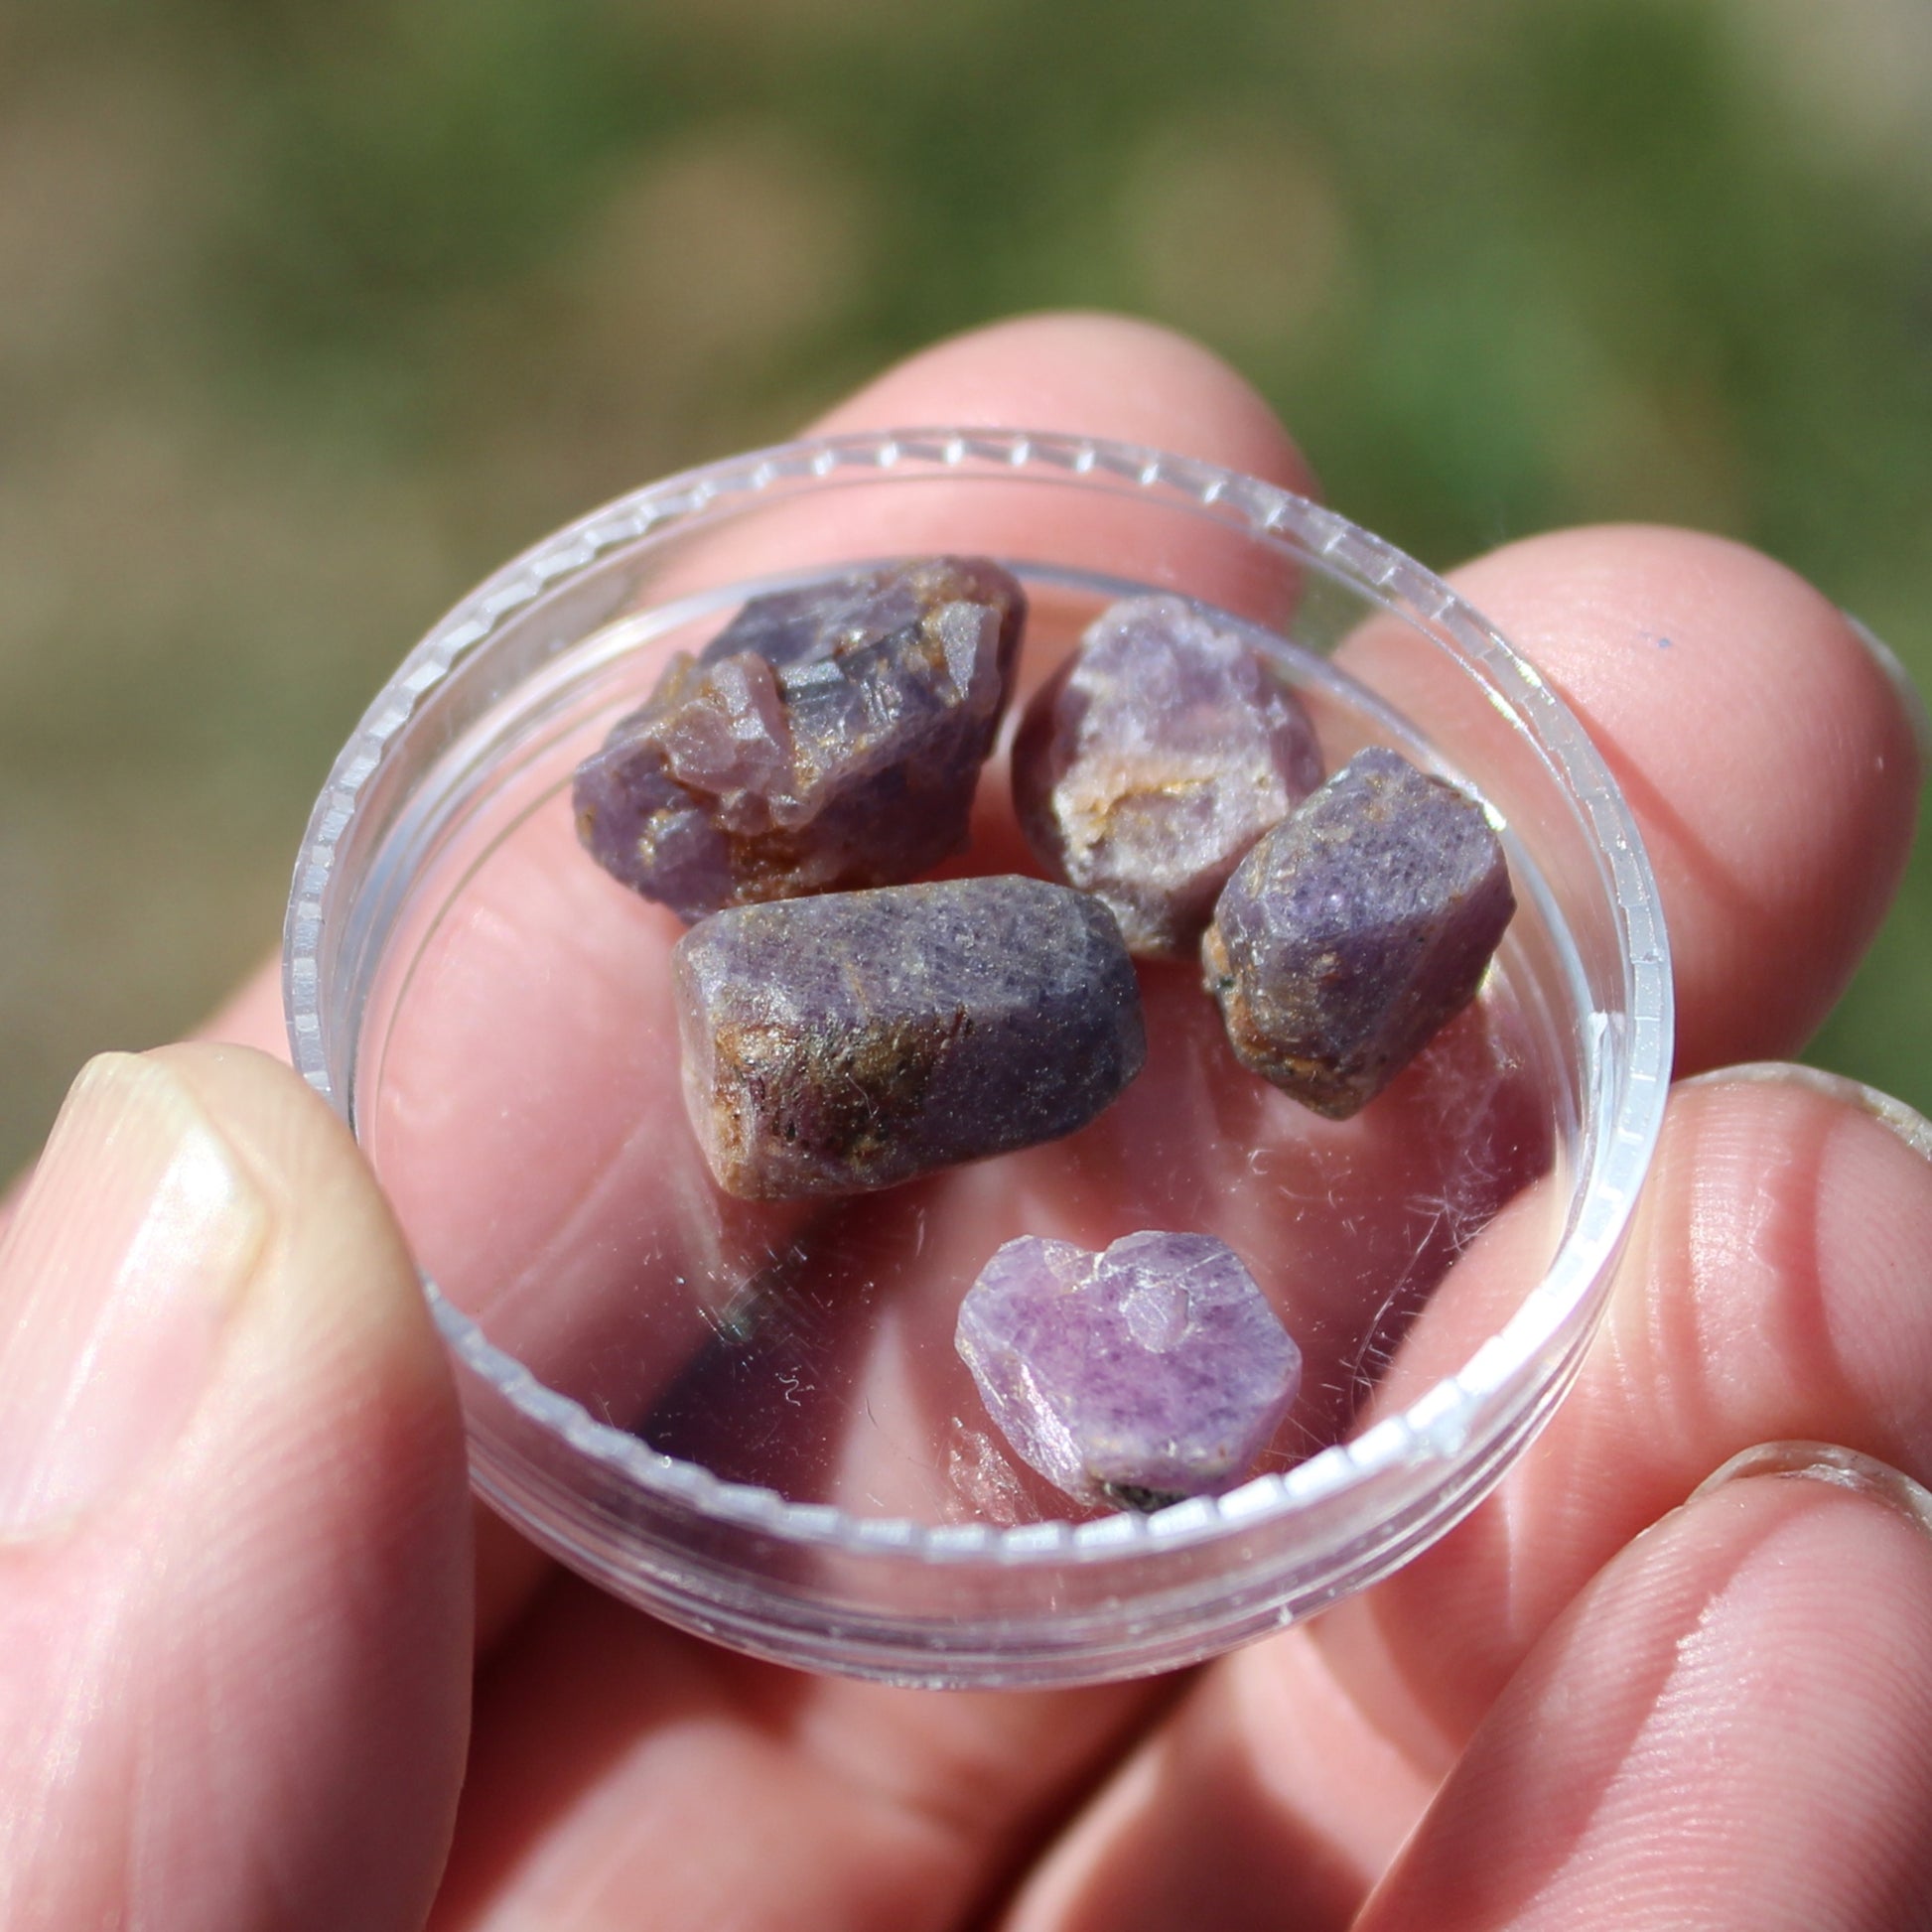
(1154, 760)
(1152, 1371)
(828, 738)
(1356, 929)
(845, 1042)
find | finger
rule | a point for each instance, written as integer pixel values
(1640, 1758)
(1102, 375)
(235, 1557)
(621, 1767)
(1772, 885)
(1772, 1290)
(1263, 1800)
(624, 1764)
(1732, 1726)
(1772, 759)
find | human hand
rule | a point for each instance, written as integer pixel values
(237, 1577)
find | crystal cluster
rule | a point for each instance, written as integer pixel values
(1356, 929)
(1154, 760)
(827, 739)
(1150, 1372)
(840, 1044)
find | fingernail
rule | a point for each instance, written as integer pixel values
(1842, 1468)
(1907, 1123)
(1902, 681)
(129, 1251)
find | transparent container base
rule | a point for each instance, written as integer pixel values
(750, 1418)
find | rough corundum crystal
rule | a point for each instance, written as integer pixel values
(827, 739)
(1152, 1371)
(1356, 929)
(845, 1042)
(1154, 760)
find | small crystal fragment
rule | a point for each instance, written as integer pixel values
(1356, 929)
(1154, 760)
(1152, 1371)
(836, 1044)
(828, 738)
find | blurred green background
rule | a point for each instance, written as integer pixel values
(311, 315)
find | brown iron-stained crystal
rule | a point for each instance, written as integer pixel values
(1147, 766)
(828, 739)
(849, 1042)
(1356, 929)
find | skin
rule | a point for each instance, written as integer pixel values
(237, 1690)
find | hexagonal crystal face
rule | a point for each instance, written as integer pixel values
(1150, 1372)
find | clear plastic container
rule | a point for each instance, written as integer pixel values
(748, 1418)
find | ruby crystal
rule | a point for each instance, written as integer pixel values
(1356, 929)
(1136, 1377)
(850, 1041)
(827, 739)
(1151, 762)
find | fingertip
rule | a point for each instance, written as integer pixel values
(1773, 1284)
(1086, 373)
(1772, 759)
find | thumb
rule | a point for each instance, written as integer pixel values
(235, 1564)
